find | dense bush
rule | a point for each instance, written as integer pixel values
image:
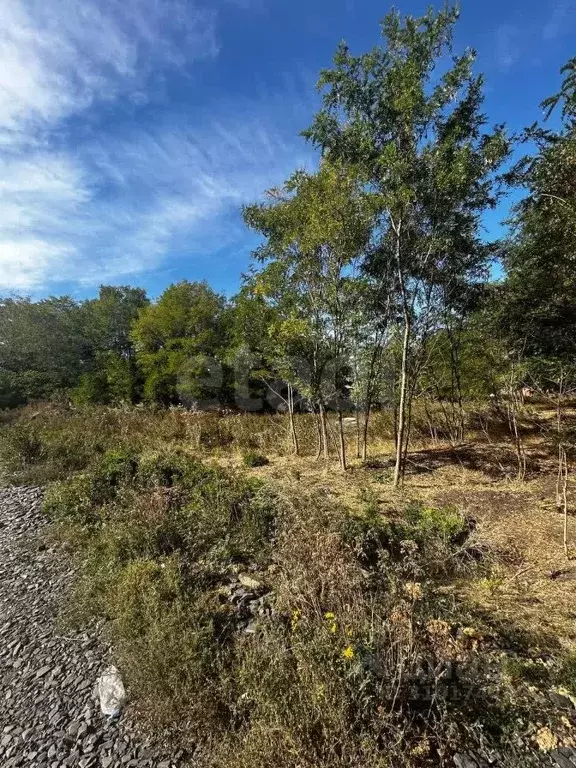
(253, 459)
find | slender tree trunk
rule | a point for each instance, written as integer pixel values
(563, 462)
(292, 426)
(318, 434)
(399, 465)
(407, 431)
(341, 442)
(358, 439)
(520, 454)
(456, 383)
(365, 433)
(559, 477)
(323, 430)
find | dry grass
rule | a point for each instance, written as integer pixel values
(503, 596)
(530, 583)
(517, 521)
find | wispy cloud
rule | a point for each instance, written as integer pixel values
(507, 45)
(561, 20)
(103, 208)
(190, 185)
(56, 59)
(120, 204)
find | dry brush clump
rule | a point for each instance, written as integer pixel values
(276, 629)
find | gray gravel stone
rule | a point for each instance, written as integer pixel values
(48, 715)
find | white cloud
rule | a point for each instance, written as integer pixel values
(507, 45)
(57, 58)
(111, 207)
(25, 263)
(560, 21)
(118, 207)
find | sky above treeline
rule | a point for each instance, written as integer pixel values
(132, 131)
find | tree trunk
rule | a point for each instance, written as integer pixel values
(399, 465)
(318, 434)
(563, 465)
(407, 431)
(519, 447)
(341, 442)
(365, 434)
(292, 426)
(323, 430)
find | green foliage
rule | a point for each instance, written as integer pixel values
(253, 459)
(80, 498)
(73, 500)
(317, 229)
(417, 140)
(159, 537)
(109, 318)
(538, 300)
(418, 540)
(20, 446)
(567, 672)
(422, 523)
(163, 542)
(41, 347)
(180, 340)
(58, 344)
(159, 534)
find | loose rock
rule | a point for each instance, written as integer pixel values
(48, 716)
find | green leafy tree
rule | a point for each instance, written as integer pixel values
(180, 344)
(417, 140)
(538, 298)
(43, 348)
(316, 229)
(114, 376)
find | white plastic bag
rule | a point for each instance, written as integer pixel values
(111, 692)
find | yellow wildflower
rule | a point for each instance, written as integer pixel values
(329, 616)
(348, 652)
(296, 614)
(472, 632)
(545, 739)
(422, 749)
(413, 589)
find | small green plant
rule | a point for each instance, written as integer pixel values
(253, 459)
(20, 446)
(423, 523)
(72, 500)
(525, 670)
(369, 501)
(567, 673)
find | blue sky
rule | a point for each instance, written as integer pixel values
(131, 131)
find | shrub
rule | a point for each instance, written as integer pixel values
(20, 446)
(253, 459)
(79, 499)
(271, 630)
(162, 534)
(350, 669)
(72, 500)
(423, 523)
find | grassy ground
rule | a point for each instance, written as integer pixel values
(364, 599)
(530, 581)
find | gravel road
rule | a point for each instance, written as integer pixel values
(49, 714)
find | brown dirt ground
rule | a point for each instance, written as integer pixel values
(528, 584)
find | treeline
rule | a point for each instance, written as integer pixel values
(371, 284)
